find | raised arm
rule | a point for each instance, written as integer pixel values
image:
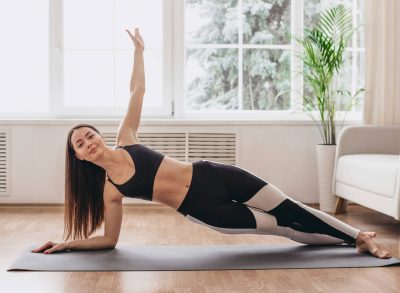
(131, 121)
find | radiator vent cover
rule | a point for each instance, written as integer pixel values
(4, 162)
(189, 146)
(218, 147)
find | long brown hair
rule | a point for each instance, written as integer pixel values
(84, 185)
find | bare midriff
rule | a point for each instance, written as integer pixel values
(172, 182)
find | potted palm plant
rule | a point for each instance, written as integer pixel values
(323, 55)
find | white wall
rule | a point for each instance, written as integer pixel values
(280, 153)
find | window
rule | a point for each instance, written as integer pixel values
(24, 57)
(238, 63)
(98, 56)
(203, 58)
(240, 56)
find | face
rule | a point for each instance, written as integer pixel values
(87, 143)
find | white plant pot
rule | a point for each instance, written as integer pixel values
(325, 164)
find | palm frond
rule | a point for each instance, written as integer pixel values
(323, 57)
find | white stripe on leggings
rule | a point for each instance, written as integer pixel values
(223, 230)
(269, 197)
(332, 221)
(267, 225)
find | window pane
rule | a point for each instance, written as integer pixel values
(266, 22)
(343, 82)
(361, 22)
(360, 83)
(312, 8)
(211, 79)
(345, 77)
(88, 24)
(266, 79)
(88, 78)
(98, 57)
(211, 21)
(24, 56)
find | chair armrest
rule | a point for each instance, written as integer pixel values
(366, 139)
(369, 139)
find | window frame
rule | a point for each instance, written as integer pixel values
(58, 110)
(295, 112)
(174, 71)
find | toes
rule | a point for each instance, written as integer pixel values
(383, 254)
(387, 254)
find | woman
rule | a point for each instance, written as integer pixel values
(222, 197)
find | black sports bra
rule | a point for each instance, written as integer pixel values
(147, 162)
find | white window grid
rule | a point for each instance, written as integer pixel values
(174, 70)
(58, 110)
(296, 65)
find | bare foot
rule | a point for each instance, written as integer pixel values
(365, 243)
(372, 234)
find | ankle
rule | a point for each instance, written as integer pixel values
(361, 237)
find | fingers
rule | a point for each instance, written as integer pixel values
(137, 39)
(55, 248)
(44, 246)
(132, 37)
(137, 34)
(49, 247)
(59, 247)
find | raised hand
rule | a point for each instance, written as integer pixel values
(137, 39)
(50, 247)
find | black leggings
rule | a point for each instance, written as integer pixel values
(232, 200)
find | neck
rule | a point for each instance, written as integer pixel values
(109, 160)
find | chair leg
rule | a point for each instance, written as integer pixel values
(340, 205)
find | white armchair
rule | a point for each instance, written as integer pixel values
(367, 168)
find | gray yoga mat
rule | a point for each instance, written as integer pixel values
(197, 257)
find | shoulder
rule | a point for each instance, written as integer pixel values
(111, 193)
(126, 136)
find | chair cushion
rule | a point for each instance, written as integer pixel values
(376, 173)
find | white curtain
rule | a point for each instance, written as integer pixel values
(382, 62)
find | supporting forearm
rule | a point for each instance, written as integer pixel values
(137, 78)
(96, 242)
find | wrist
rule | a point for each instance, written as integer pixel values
(67, 245)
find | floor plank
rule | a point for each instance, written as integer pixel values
(23, 225)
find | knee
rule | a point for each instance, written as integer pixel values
(267, 198)
(265, 223)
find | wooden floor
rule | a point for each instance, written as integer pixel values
(21, 226)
